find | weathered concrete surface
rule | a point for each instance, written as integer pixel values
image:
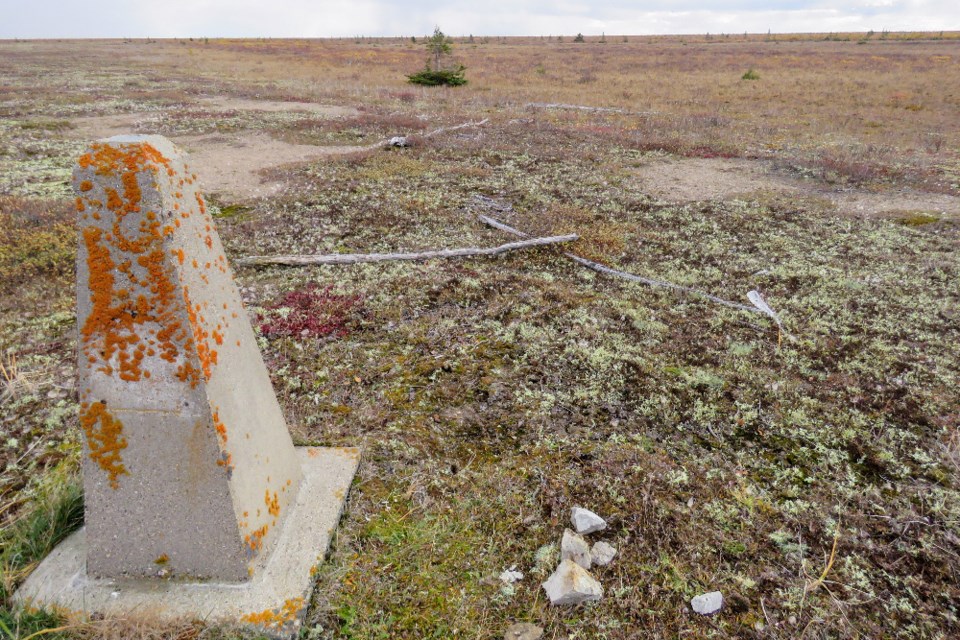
(273, 599)
(190, 468)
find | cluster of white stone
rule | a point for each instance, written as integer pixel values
(572, 582)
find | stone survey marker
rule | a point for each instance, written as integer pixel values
(197, 503)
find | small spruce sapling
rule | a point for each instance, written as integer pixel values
(439, 68)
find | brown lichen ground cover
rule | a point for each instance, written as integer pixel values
(490, 396)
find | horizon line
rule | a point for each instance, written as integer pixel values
(870, 32)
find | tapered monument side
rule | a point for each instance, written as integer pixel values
(189, 468)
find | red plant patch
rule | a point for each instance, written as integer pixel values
(310, 312)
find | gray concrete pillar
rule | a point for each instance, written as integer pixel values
(197, 503)
(189, 467)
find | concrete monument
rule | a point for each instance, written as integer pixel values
(197, 502)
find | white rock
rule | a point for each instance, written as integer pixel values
(586, 521)
(574, 547)
(523, 631)
(511, 575)
(572, 584)
(707, 603)
(602, 553)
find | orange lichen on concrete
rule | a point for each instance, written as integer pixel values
(220, 427)
(273, 504)
(118, 322)
(226, 459)
(201, 337)
(276, 618)
(104, 439)
(255, 539)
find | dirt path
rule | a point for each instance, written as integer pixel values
(688, 179)
(228, 165)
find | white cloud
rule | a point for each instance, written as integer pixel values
(316, 18)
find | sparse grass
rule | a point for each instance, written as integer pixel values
(47, 125)
(37, 239)
(13, 381)
(56, 510)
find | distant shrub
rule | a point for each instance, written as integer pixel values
(439, 68)
(579, 38)
(750, 75)
(435, 77)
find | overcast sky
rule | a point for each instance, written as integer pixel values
(319, 18)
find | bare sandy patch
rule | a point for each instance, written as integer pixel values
(880, 204)
(688, 179)
(691, 179)
(230, 165)
(225, 103)
(96, 127)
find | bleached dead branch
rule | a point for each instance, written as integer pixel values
(583, 107)
(759, 305)
(357, 258)
(393, 142)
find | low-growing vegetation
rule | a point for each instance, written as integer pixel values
(810, 475)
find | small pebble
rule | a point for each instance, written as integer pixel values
(586, 521)
(602, 553)
(523, 631)
(707, 603)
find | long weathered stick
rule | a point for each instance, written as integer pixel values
(465, 125)
(583, 107)
(357, 258)
(596, 266)
(391, 142)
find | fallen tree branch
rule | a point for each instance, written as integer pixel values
(583, 107)
(762, 307)
(358, 258)
(401, 141)
(465, 125)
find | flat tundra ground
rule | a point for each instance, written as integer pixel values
(809, 474)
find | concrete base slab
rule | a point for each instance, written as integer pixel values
(274, 599)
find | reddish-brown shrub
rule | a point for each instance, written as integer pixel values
(310, 312)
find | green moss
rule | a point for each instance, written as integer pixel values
(46, 125)
(236, 212)
(917, 219)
